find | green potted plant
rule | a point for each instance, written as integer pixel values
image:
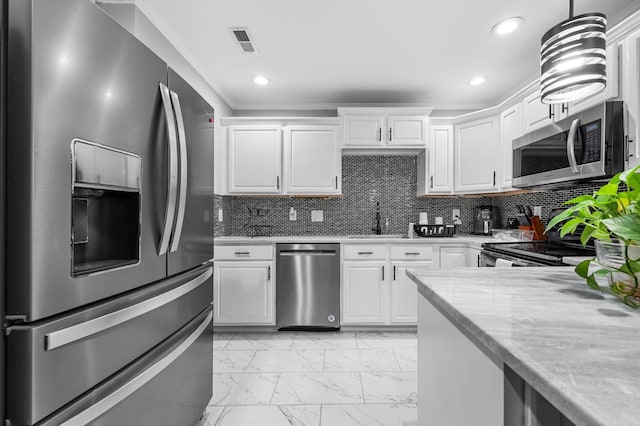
(611, 216)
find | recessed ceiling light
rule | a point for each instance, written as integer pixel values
(507, 26)
(476, 81)
(260, 80)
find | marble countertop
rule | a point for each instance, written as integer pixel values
(474, 241)
(576, 346)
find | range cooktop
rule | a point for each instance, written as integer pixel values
(543, 250)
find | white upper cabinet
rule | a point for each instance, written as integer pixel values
(374, 128)
(631, 93)
(296, 159)
(535, 113)
(312, 160)
(476, 156)
(255, 154)
(406, 130)
(435, 165)
(363, 131)
(510, 129)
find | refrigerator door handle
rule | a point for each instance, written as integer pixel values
(113, 399)
(85, 329)
(184, 171)
(173, 170)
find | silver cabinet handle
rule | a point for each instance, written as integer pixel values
(173, 170)
(85, 329)
(380, 134)
(241, 253)
(394, 272)
(119, 395)
(184, 172)
(431, 182)
(571, 154)
(413, 253)
(336, 182)
(365, 252)
(277, 182)
(389, 134)
(383, 273)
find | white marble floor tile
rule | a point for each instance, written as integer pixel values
(270, 415)
(390, 387)
(243, 389)
(407, 358)
(210, 416)
(361, 360)
(286, 361)
(327, 340)
(231, 361)
(260, 341)
(370, 415)
(318, 388)
(220, 341)
(391, 340)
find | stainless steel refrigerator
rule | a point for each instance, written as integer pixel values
(107, 186)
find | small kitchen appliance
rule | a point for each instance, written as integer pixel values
(485, 218)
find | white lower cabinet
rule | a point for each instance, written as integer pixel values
(456, 256)
(365, 296)
(375, 287)
(243, 285)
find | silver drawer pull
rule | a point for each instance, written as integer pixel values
(365, 252)
(242, 253)
(85, 329)
(414, 253)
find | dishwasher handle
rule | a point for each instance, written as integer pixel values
(308, 253)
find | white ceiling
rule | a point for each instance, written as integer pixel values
(328, 53)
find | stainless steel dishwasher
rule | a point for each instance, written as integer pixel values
(308, 286)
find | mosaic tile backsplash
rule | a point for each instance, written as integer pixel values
(367, 180)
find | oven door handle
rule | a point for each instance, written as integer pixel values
(571, 152)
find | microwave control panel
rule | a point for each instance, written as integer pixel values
(591, 137)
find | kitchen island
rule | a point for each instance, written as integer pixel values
(575, 347)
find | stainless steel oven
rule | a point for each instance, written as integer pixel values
(585, 146)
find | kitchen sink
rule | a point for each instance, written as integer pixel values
(374, 236)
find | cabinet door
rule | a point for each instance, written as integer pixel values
(406, 130)
(243, 293)
(404, 292)
(255, 154)
(631, 93)
(476, 156)
(609, 92)
(510, 128)
(535, 113)
(454, 257)
(365, 298)
(440, 160)
(363, 130)
(313, 161)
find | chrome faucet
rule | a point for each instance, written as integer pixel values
(378, 227)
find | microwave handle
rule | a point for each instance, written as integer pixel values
(571, 153)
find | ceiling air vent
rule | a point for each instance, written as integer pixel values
(242, 37)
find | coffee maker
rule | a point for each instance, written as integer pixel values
(485, 218)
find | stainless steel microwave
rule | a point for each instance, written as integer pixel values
(589, 145)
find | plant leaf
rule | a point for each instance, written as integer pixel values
(582, 268)
(608, 189)
(591, 282)
(626, 227)
(586, 234)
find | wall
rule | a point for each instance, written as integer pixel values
(366, 180)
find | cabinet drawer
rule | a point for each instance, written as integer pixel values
(412, 252)
(243, 252)
(365, 252)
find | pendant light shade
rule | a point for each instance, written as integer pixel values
(573, 59)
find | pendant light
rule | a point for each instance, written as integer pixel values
(573, 58)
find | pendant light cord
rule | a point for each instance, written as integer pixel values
(570, 9)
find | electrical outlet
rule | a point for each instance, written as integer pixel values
(456, 217)
(293, 214)
(316, 216)
(537, 211)
(220, 217)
